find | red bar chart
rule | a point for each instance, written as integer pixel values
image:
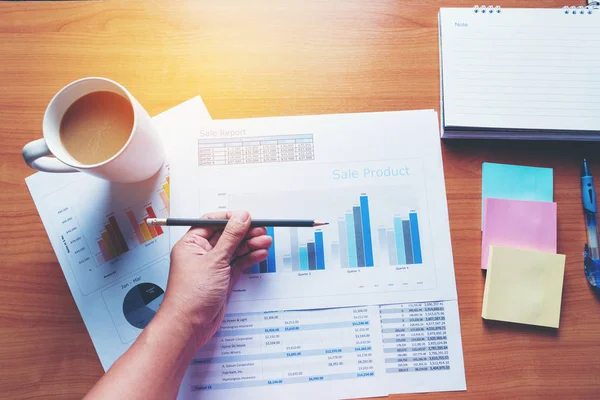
(143, 231)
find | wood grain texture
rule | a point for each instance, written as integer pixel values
(266, 58)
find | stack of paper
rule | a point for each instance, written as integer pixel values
(519, 239)
(377, 178)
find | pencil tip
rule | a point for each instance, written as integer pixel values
(320, 223)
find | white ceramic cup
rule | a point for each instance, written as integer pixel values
(139, 159)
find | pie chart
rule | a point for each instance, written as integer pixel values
(141, 303)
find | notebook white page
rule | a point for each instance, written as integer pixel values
(521, 68)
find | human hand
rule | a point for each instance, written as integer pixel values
(205, 263)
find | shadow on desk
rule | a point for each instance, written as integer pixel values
(542, 153)
(491, 327)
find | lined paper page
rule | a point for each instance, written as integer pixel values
(521, 69)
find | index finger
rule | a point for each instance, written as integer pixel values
(208, 231)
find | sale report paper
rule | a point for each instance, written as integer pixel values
(411, 347)
(377, 178)
(333, 353)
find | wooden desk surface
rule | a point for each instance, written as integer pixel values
(266, 58)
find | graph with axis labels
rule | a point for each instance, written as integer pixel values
(352, 242)
(376, 178)
(100, 241)
(378, 240)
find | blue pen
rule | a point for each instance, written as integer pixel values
(588, 197)
(591, 263)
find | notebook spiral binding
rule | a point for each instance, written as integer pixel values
(486, 9)
(574, 10)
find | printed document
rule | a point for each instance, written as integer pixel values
(334, 353)
(377, 178)
(115, 265)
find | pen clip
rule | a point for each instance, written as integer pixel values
(591, 268)
(587, 194)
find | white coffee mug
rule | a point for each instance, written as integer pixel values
(141, 157)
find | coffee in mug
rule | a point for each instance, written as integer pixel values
(95, 125)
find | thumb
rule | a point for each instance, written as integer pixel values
(233, 234)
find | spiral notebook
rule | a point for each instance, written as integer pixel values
(515, 73)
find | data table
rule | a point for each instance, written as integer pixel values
(415, 337)
(254, 150)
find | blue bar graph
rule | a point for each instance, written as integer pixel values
(408, 250)
(287, 262)
(335, 251)
(343, 241)
(263, 267)
(303, 258)
(294, 249)
(271, 255)
(399, 243)
(312, 256)
(358, 233)
(366, 229)
(382, 235)
(320, 250)
(351, 240)
(399, 240)
(414, 235)
(392, 255)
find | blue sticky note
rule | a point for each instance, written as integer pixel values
(516, 182)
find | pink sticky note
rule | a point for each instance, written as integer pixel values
(528, 225)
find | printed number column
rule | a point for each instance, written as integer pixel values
(362, 342)
(235, 153)
(304, 148)
(272, 348)
(287, 150)
(252, 151)
(269, 150)
(404, 337)
(437, 339)
(292, 346)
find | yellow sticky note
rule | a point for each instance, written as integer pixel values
(523, 286)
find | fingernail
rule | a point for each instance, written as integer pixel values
(240, 216)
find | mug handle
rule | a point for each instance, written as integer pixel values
(34, 155)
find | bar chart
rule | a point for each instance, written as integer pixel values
(350, 241)
(401, 243)
(165, 194)
(143, 231)
(102, 231)
(111, 241)
(309, 256)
